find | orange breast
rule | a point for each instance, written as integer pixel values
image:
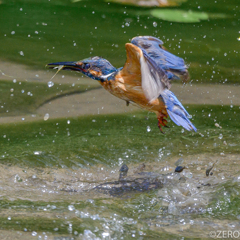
(126, 88)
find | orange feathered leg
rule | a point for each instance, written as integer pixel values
(162, 121)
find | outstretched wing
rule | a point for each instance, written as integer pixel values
(176, 110)
(173, 66)
(142, 69)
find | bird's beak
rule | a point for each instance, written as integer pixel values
(73, 66)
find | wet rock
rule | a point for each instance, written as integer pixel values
(209, 169)
(179, 169)
(123, 171)
(143, 181)
(139, 182)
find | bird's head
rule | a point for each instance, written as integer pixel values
(96, 68)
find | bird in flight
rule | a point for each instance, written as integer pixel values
(144, 80)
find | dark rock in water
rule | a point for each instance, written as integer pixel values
(123, 171)
(140, 182)
(209, 169)
(179, 169)
(124, 168)
(135, 185)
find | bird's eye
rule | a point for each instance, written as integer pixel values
(85, 66)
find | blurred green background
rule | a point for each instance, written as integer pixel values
(39, 32)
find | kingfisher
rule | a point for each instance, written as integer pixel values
(144, 80)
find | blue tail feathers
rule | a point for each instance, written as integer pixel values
(176, 111)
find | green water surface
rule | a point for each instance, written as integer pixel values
(40, 32)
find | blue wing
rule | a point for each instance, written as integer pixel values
(176, 111)
(173, 66)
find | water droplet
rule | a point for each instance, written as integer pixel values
(220, 136)
(17, 178)
(9, 218)
(172, 208)
(105, 234)
(21, 53)
(50, 84)
(34, 233)
(217, 125)
(46, 117)
(154, 24)
(148, 129)
(179, 162)
(187, 174)
(37, 152)
(12, 32)
(14, 80)
(71, 208)
(68, 122)
(11, 90)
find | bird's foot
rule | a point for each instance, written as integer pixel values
(162, 122)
